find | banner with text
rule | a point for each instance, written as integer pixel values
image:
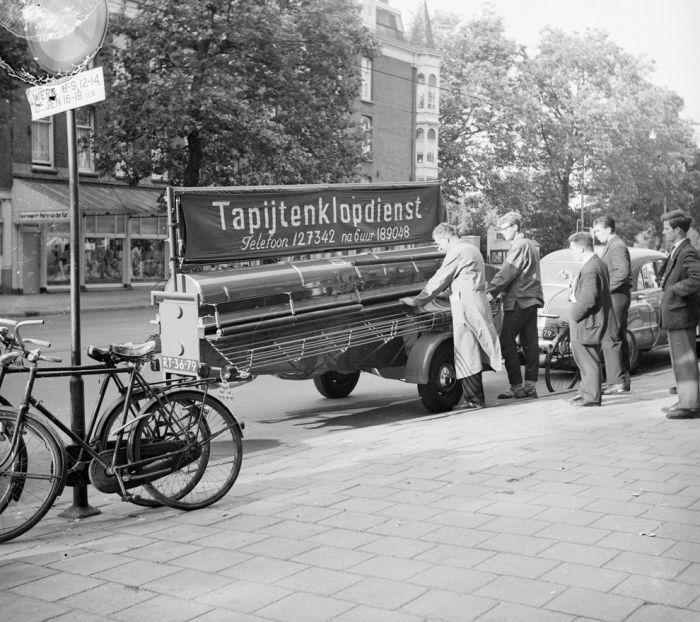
(223, 225)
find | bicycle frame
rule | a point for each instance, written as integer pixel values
(77, 460)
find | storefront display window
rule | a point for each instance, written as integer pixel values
(57, 251)
(147, 260)
(104, 260)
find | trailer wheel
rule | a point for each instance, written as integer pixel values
(335, 385)
(443, 390)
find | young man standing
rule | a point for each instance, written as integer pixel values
(680, 311)
(591, 308)
(616, 257)
(520, 284)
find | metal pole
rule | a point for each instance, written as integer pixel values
(80, 508)
(583, 169)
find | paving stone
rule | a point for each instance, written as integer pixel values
(521, 526)
(345, 538)
(25, 609)
(187, 584)
(442, 605)
(637, 542)
(459, 556)
(307, 607)
(690, 575)
(388, 567)
(658, 591)
(647, 565)
(281, 548)
(587, 577)
(210, 559)
(397, 547)
(362, 613)
(135, 573)
(508, 564)
(455, 579)
(403, 528)
(657, 613)
(685, 550)
(321, 581)
(381, 593)
(510, 612)
(513, 543)
(597, 605)
(531, 592)
(17, 573)
(56, 587)
(335, 558)
(107, 599)
(244, 596)
(570, 517)
(579, 553)
(163, 609)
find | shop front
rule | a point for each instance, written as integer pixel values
(123, 233)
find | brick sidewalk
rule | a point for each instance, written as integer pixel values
(54, 303)
(538, 512)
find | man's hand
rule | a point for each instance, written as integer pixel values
(567, 275)
(410, 301)
(489, 297)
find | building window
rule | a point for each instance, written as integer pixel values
(421, 91)
(42, 142)
(85, 128)
(366, 93)
(420, 145)
(432, 145)
(432, 84)
(367, 132)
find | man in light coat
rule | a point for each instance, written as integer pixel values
(475, 338)
(680, 311)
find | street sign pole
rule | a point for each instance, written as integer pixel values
(80, 508)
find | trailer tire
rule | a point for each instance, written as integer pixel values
(335, 385)
(443, 390)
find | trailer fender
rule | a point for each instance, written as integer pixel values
(421, 354)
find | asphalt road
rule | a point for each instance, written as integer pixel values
(275, 411)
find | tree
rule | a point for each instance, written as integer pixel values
(234, 93)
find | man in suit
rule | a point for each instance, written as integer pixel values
(616, 257)
(680, 312)
(591, 318)
(520, 284)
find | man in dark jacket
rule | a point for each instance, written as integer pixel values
(616, 257)
(591, 318)
(520, 284)
(680, 311)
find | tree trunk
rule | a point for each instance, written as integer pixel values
(194, 159)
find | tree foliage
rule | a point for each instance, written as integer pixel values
(579, 122)
(234, 92)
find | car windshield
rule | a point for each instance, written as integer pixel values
(550, 271)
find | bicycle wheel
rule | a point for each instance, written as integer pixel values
(192, 444)
(560, 370)
(32, 474)
(106, 433)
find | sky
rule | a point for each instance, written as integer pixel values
(665, 31)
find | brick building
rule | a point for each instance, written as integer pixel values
(123, 232)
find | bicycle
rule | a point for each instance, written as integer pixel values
(172, 439)
(560, 370)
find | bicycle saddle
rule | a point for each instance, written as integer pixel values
(133, 350)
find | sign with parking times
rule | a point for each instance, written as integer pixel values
(82, 89)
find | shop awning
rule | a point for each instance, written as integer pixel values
(34, 200)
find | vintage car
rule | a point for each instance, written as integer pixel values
(643, 332)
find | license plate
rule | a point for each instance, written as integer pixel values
(177, 364)
(547, 333)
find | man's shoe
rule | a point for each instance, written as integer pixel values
(614, 389)
(673, 391)
(668, 409)
(471, 403)
(520, 393)
(683, 413)
(584, 404)
(576, 398)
